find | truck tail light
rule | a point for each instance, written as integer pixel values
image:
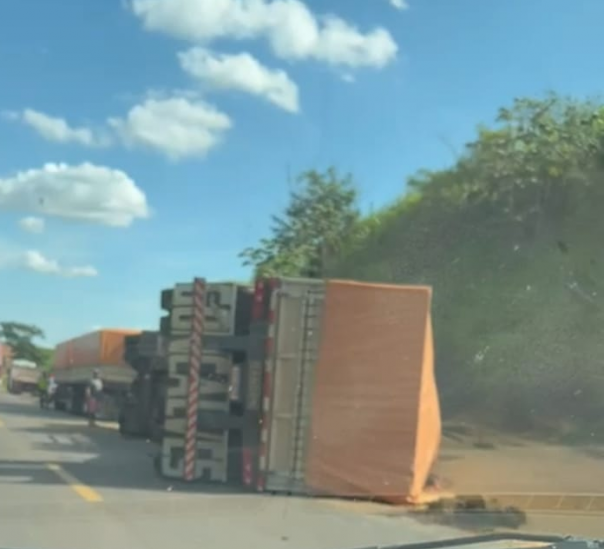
(247, 466)
(258, 300)
(265, 424)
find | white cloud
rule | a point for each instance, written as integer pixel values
(180, 125)
(32, 224)
(35, 261)
(84, 192)
(11, 257)
(57, 129)
(240, 72)
(399, 4)
(177, 126)
(292, 30)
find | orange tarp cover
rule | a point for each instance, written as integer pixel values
(376, 424)
(102, 348)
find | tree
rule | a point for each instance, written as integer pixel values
(320, 216)
(539, 154)
(46, 357)
(543, 151)
(19, 337)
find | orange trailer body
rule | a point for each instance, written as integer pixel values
(101, 348)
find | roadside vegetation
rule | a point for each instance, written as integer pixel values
(510, 239)
(21, 340)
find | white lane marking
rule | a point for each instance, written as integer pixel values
(82, 439)
(11, 479)
(24, 466)
(39, 438)
(62, 439)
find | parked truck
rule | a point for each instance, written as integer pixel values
(22, 376)
(5, 360)
(300, 386)
(74, 363)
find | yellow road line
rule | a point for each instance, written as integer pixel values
(85, 492)
(1, 423)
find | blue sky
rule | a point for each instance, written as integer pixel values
(145, 142)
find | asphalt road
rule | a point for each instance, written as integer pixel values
(64, 485)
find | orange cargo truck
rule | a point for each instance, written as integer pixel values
(77, 358)
(351, 401)
(336, 394)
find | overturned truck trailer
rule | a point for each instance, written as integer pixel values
(301, 386)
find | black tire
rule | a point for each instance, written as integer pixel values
(157, 464)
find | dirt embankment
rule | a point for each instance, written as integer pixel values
(481, 461)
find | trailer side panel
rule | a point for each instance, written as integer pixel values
(373, 390)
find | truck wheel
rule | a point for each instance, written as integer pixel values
(77, 401)
(157, 464)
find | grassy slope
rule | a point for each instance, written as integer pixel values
(517, 313)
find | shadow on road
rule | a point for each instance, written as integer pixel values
(100, 458)
(77, 436)
(26, 406)
(96, 456)
(100, 473)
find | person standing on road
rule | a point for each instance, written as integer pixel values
(93, 394)
(42, 389)
(52, 388)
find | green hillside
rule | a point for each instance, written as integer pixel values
(510, 239)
